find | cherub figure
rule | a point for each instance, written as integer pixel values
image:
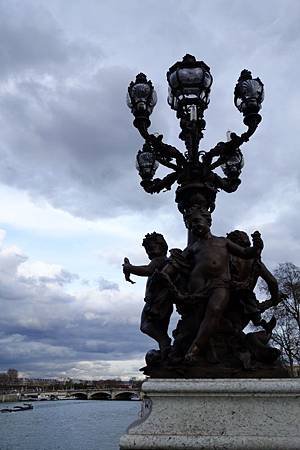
(245, 274)
(210, 277)
(158, 309)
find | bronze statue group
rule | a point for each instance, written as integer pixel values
(211, 283)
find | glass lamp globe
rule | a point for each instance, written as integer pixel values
(232, 168)
(141, 96)
(189, 84)
(248, 93)
(146, 163)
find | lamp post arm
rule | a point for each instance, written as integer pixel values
(158, 184)
(227, 184)
(223, 150)
(142, 124)
(165, 150)
(252, 121)
(165, 162)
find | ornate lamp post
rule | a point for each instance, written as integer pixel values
(211, 284)
(190, 82)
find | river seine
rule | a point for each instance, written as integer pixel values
(67, 425)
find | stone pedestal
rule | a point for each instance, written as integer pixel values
(218, 414)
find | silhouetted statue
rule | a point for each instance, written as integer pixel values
(210, 277)
(158, 308)
(245, 274)
(212, 283)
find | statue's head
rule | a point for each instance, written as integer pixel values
(195, 195)
(155, 245)
(239, 237)
(198, 221)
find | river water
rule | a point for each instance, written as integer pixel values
(67, 425)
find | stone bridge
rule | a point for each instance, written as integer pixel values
(92, 394)
(107, 394)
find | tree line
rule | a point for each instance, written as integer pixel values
(286, 334)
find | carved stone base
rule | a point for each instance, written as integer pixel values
(219, 414)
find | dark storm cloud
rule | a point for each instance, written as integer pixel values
(38, 45)
(68, 135)
(71, 145)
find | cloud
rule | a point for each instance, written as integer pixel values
(104, 285)
(43, 273)
(72, 159)
(41, 322)
(36, 46)
(59, 108)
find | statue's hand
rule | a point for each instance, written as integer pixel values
(257, 240)
(126, 270)
(126, 265)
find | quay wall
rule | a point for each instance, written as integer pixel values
(9, 398)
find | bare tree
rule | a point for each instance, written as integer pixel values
(286, 335)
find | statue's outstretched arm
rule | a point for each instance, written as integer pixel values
(248, 252)
(142, 271)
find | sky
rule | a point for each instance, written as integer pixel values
(71, 207)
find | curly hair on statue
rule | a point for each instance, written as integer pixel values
(155, 237)
(239, 237)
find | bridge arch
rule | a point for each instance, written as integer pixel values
(126, 395)
(80, 395)
(100, 396)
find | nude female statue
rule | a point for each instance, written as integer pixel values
(210, 276)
